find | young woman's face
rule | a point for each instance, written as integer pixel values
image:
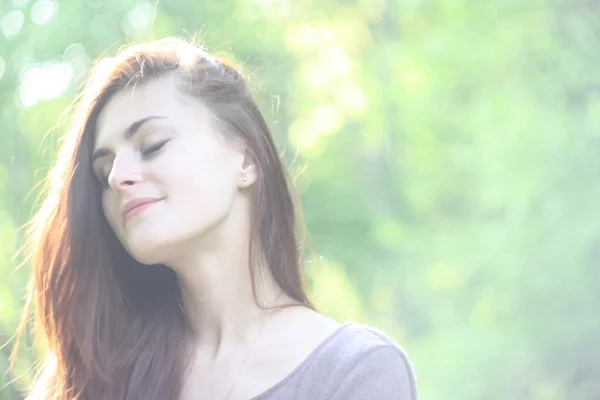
(168, 176)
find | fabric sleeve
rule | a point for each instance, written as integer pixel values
(383, 373)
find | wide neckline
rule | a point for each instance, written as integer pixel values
(304, 362)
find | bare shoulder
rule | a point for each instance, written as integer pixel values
(368, 365)
(302, 328)
(359, 361)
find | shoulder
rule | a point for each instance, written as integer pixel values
(362, 362)
(355, 339)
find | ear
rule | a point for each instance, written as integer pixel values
(248, 173)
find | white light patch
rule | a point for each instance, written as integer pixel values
(138, 20)
(2, 67)
(12, 23)
(43, 11)
(47, 82)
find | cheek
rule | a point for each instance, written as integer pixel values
(110, 208)
(202, 174)
(203, 187)
(207, 189)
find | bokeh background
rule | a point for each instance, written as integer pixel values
(446, 153)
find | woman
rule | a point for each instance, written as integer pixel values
(165, 262)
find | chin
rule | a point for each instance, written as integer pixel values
(146, 251)
(145, 257)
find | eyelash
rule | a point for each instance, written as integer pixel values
(149, 152)
(154, 148)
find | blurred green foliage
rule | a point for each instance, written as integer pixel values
(446, 152)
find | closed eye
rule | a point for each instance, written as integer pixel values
(154, 148)
(148, 152)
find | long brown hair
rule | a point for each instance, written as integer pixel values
(114, 328)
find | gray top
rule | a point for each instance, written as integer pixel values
(356, 362)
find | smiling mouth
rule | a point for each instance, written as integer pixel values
(140, 209)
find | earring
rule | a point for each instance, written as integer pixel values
(244, 179)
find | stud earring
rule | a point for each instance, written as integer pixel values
(244, 179)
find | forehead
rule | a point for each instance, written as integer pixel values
(158, 97)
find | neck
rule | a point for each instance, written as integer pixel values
(219, 301)
(216, 286)
(217, 293)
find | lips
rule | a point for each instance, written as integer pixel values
(137, 206)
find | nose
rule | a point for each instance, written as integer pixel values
(125, 174)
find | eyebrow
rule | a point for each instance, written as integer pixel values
(128, 134)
